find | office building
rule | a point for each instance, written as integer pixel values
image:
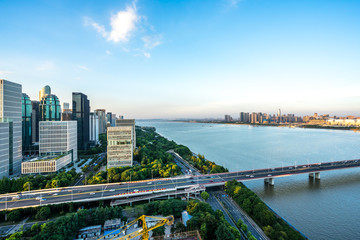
(26, 124)
(109, 118)
(81, 114)
(11, 119)
(57, 147)
(128, 122)
(49, 107)
(228, 118)
(120, 146)
(94, 129)
(66, 114)
(102, 120)
(35, 118)
(4, 149)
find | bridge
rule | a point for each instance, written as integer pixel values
(155, 187)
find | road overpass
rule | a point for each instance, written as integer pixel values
(135, 189)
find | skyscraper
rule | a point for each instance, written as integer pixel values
(10, 116)
(35, 121)
(94, 128)
(49, 108)
(128, 123)
(102, 120)
(26, 124)
(81, 114)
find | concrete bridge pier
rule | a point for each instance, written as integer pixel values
(317, 175)
(269, 181)
(311, 175)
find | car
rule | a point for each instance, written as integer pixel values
(38, 198)
(208, 176)
(192, 181)
(211, 181)
(55, 194)
(248, 175)
(149, 183)
(136, 190)
(112, 190)
(251, 175)
(269, 175)
(17, 197)
(92, 193)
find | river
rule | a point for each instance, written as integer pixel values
(324, 209)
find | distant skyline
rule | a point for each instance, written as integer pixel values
(187, 59)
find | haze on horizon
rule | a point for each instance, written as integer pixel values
(189, 59)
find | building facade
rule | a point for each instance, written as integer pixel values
(94, 128)
(26, 124)
(49, 107)
(120, 146)
(58, 138)
(81, 114)
(35, 121)
(130, 123)
(4, 149)
(11, 115)
(102, 120)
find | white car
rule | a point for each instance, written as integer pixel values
(112, 190)
(38, 198)
(136, 190)
(149, 183)
(251, 175)
(55, 194)
(269, 175)
(92, 193)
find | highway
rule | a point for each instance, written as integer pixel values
(89, 193)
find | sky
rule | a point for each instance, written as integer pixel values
(187, 59)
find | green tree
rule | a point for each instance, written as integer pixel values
(205, 195)
(43, 213)
(223, 233)
(14, 215)
(27, 186)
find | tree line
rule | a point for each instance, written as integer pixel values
(275, 228)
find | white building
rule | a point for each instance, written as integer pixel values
(4, 149)
(131, 123)
(94, 128)
(11, 122)
(57, 147)
(120, 146)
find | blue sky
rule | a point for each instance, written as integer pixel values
(170, 59)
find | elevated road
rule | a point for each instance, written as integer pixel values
(111, 191)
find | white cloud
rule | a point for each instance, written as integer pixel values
(4, 72)
(147, 55)
(152, 41)
(234, 3)
(83, 67)
(46, 66)
(123, 23)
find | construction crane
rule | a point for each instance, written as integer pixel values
(146, 227)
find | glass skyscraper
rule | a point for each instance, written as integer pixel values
(81, 114)
(49, 108)
(26, 123)
(10, 136)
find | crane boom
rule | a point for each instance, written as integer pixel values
(144, 232)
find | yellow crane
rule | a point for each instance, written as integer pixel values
(146, 228)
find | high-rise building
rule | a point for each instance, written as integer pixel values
(44, 92)
(228, 118)
(130, 123)
(102, 120)
(94, 128)
(279, 113)
(242, 117)
(66, 106)
(109, 118)
(49, 108)
(58, 138)
(120, 146)
(81, 114)
(57, 147)
(4, 149)
(26, 124)
(35, 121)
(11, 117)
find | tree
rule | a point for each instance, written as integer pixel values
(43, 213)
(180, 227)
(205, 195)
(27, 186)
(14, 215)
(244, 227)
(160, 231)
(223, 233)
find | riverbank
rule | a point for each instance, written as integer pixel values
(290, 125)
